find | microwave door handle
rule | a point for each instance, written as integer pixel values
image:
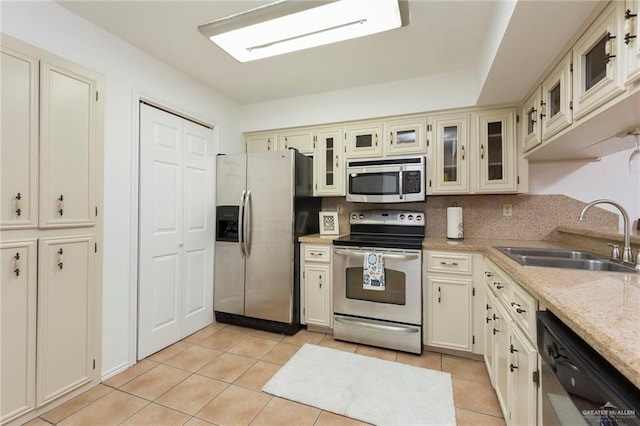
(400, 182)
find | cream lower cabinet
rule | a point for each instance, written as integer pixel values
(510, 351)
(65, 315)
(18, 273)
(317, 310)
(452, 317)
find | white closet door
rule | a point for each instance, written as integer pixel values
(199, 228)
(175, 288)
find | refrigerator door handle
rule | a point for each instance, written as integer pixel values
(247, 224)
(241, 224)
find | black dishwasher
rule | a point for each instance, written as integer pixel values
(580, 387)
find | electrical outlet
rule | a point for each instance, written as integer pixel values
(506, 210)
(340, 209)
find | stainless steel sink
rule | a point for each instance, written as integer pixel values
(547, 252)
(562, 258)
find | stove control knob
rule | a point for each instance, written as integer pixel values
(418, 217)
(354, 216)
(410, 217)
(361, 216)
(402, 217)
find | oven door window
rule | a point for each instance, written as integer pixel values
(382, 183)
(395, 287)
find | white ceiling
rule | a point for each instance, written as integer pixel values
(442, 37)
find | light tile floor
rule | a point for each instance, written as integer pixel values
(215, 375)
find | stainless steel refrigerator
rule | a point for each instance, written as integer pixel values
(263, 204)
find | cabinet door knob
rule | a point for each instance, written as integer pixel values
(462, 147)
(60, 259)
(481, 151)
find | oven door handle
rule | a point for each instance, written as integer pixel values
(384, 255)
(383, 327)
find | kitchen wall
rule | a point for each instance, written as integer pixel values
(534, 217)
(128, 72)
(608, 178)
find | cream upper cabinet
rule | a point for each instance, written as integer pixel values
(494, 152)
(18, 273)
(531, 126)
(262, 142)
(555, 107)
(405, 137)
(598, 60)
(19, 140)
(67, 147)
(302, 140)
(66, 315)
(450, 164)
(364, 140)
(631, 29)
(328, 162)
(549, 108)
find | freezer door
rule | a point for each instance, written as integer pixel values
(269, 236)
(231, 179)
(229, 278)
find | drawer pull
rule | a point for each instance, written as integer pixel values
(488, 274)
(488, 319)
(449, 264)
(515, 304)
(498, 286)
(520, 311)
(61, 206)
(19, 204)
(16, 264)
(488, 308)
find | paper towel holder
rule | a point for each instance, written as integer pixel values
(455, 226)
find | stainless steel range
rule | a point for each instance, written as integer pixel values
(377, 275)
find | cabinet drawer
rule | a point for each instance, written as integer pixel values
(449, 263)
(317, 253)
(523, 308)
(497, 282)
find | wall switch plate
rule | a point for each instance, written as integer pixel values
(506, 210)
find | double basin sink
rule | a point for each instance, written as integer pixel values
(564, 258)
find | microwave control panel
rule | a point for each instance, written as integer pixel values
(412, 182)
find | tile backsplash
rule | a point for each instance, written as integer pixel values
(533, 217)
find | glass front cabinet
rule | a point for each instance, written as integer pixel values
(548, 109)
(328, 162)
(631, 28)
(364, 140)
(494, 153)
(450, 165)
(597, 61)
(406, 137)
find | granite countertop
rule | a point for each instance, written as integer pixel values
(602, 307)
(319, 239)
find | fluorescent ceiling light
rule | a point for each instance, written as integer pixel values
(290, 25)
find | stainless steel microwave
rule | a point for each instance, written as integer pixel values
(390, 180)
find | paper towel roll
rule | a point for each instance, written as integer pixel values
(454, 223)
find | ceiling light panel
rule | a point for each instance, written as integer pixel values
(326, 24)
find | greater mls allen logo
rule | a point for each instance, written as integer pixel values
(608, 412)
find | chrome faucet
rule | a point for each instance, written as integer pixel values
(626, 251)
